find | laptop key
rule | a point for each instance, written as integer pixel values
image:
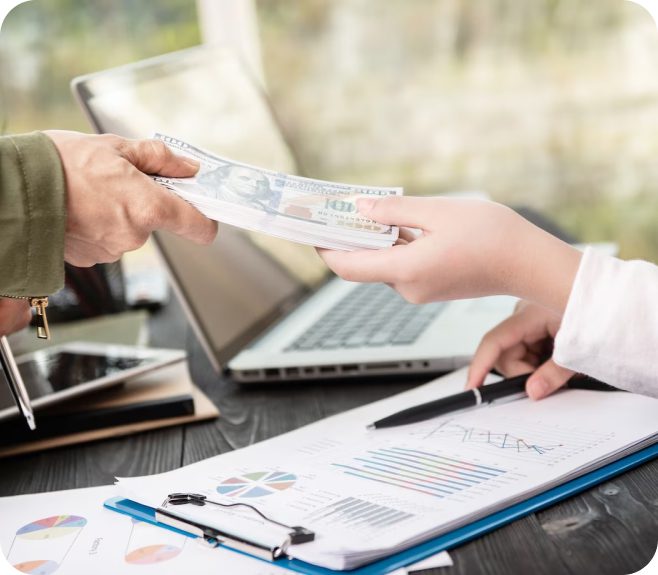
(405, 338)
(332, 343)
(381, 338)
(303, 346)
(357, 340)
(370, 315)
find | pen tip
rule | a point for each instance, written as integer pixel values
(371, 426)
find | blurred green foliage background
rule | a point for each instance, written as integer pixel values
(46, 43)
(548, 103)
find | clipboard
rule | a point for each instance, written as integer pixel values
(441, 543)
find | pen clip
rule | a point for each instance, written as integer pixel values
(508, 398)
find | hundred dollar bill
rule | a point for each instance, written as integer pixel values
(235, 190)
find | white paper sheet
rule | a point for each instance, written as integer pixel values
(368, 494)
(70, 533)
(435, 561)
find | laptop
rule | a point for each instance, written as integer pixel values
(264, 309)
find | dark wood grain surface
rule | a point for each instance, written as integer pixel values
(611, 529)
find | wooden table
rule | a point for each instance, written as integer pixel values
(611, 529)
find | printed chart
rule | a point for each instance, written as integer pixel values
(39, 567)
(499, 440)
(513, 439)
(40, 547)
(152, 554)
(257, 484)
(52, 527)
(355, 512)
(148, 544)
(419, 471)
(72, 533)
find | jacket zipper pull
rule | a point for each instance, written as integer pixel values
(40, 304)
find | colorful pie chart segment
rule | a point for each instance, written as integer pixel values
(257, 484)
(152, 554)
(52, 527)
(41, 567)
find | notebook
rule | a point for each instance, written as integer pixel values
(172, 381)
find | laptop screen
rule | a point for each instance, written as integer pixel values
(243, 282)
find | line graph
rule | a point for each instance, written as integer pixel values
(500, 440)
(512, 438)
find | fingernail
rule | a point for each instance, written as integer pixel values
(192, 164)
(537, 388)
(365, 205)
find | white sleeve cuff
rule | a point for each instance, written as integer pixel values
(610, 326)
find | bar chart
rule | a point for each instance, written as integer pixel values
(420, 471)
(355, 512)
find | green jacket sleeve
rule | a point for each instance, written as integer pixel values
(32, 216)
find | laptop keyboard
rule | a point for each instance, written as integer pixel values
(371, 315)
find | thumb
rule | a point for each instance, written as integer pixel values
(405, 211)
(177, 216)
(154, 157)
(548, 378)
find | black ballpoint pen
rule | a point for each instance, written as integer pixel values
(507, 390)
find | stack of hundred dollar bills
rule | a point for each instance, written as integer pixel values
(303, 210)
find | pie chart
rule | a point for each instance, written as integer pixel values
(257, 484)
(39, 567)
(51, 527)
(152, 554)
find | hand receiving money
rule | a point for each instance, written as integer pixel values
(314, 212)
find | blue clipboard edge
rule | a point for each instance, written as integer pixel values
(443, 542)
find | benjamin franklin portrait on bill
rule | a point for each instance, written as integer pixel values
(238, 185)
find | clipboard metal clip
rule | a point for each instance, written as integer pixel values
(215, 537)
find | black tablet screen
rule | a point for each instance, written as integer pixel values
(48, 374)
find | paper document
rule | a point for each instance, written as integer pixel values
(434, 562)
(370, 493)
(302, 210)
(71, 533)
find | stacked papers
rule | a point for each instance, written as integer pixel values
(302, 210)
(367, 494)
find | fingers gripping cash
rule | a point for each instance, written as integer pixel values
(314, 212)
